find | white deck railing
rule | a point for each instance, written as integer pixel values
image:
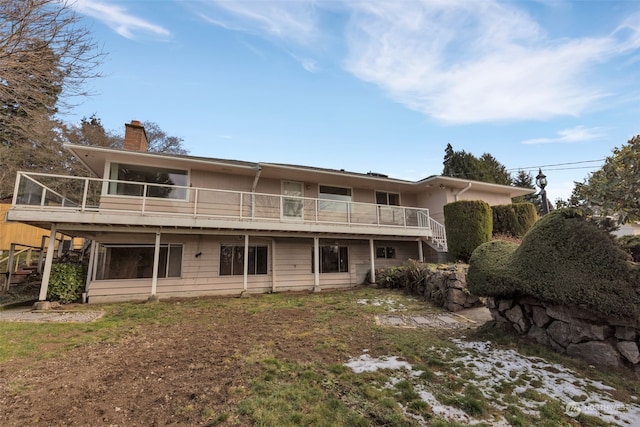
(83, 194)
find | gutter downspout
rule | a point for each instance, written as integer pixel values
(253, 190)
(464, 190)
(255, 180)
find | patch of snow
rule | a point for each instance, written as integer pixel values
(390, 303)
(448, 412)
(493, 367)
(366, 363)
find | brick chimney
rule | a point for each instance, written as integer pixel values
(135, 138)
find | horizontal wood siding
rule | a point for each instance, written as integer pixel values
(201, 273)
(293, 265)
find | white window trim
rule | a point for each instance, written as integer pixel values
(106, 182)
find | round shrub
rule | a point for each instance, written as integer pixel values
(490, 272)
(468, 224)
(66, 283)
(563, 259)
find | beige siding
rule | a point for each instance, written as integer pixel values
(293, 264)
(201, 274)
(221, 181)
(491, 198)
(434, 200)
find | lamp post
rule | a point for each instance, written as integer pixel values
(541, 181)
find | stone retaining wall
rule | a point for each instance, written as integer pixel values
(597, 339)
(448, 288)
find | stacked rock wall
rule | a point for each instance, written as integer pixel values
(597, 339)
(448, 288)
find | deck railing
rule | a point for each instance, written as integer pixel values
(83, 194)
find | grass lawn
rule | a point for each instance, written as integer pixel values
(292, 360)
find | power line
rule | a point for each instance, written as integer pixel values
(561, 169)
(559, 164)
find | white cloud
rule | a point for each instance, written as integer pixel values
(467, 62)
(453, 60)
(308, 64)
(118, 18)
(572, 135)
(289, 20)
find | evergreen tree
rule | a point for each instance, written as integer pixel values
(460, 164)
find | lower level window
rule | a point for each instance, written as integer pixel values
(136, 261)
(385, 252)
(333, 259)
(232, 260)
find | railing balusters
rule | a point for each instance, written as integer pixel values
(224, 204)
(144, 198)
(195, 204)
(84, 195)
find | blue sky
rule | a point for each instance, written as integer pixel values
(373, 85)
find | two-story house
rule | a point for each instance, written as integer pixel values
(173, 225)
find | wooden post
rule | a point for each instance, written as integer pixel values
(156, 262)
(91, 266)
(41, 257)
(245, 278)
(12, 251)
(316, 264)
(46, 274)
(372, 255)
(273, 265)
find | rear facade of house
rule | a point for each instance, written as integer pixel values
(180, 226)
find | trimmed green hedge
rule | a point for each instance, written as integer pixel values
(563, 259)
(468, 224)
(65, 283)
(514, 219)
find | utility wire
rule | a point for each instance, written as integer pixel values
(560, 164)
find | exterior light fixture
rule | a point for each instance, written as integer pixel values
(541, 181)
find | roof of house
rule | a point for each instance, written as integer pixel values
(95, 159)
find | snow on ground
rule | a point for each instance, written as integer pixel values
(366, 363)
(494, 369)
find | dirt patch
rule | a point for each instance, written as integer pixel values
(182, 372)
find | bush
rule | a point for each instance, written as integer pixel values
(66, 283)
(468, 224)
(563, 259)
(514, 219)
(631, 244)
(390, 277)
(527, 217)
(490, 271)
(504, 219)
(409, 277)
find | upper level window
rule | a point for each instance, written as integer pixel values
(161, 182)
(384, 198)
(341, 197)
